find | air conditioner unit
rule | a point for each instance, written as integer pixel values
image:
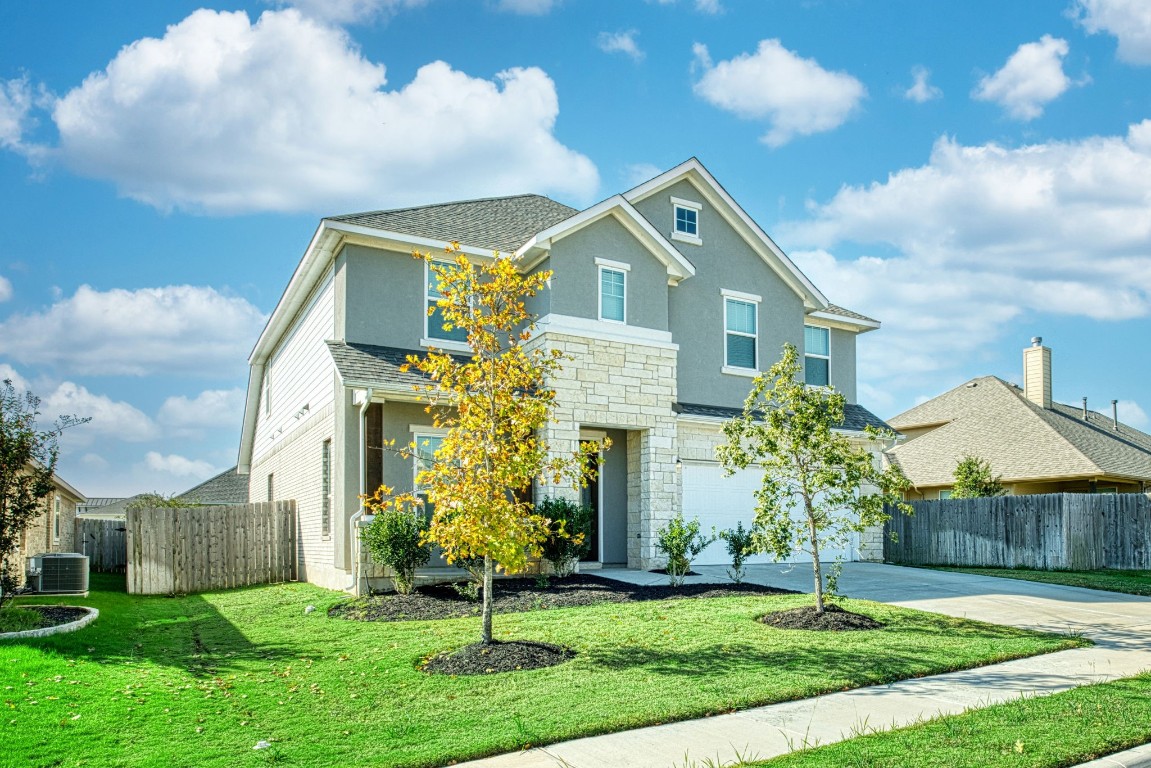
(58, 573)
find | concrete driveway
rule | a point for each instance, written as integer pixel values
(1117, 623)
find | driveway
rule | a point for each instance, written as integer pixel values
(1117, 623)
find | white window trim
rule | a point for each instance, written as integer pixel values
(617, 265)
(826, 357)
(56, 519)
(599, 279)
(746, 298)
(684, 237)
(418, 432)
(427, 341)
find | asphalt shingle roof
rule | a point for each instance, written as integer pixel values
(990, 418)
(225, 488)
(855, 417)
(498, 223)
(375, 366)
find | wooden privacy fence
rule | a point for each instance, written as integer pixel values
(177, 551)
(1075, 531)
(104, 541)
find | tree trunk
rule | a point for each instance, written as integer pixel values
(815, 562)
(487, 630)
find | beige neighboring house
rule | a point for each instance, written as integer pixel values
(1035, 444)
(54, 530)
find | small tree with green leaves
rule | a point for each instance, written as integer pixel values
(569, 533)
(814, 492)
(973, 480)
(681, 541)
(395, 539)
(739, 542)
(28, 458)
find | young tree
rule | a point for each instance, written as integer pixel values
(973, 480)
(481, 475)
(812, 494)
(27, 461)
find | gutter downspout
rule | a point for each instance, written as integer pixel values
(356, 552)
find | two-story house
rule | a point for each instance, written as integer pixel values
(667, 298)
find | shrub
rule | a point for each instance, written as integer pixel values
(682, 542)
(569, 531)
(393, 538)
(738, 543)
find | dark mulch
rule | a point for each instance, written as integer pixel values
(55, 615)
(833, 619)
(663, 572)
(487, 659)
(440, 601)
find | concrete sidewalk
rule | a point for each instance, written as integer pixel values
(1118, 624)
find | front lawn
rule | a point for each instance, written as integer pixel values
(199, 680)
(1131, 582)
(1041, 732)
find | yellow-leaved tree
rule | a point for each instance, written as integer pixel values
(497, 406)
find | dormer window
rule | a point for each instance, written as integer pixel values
(685, 221)
(612, 290)
(816, 356)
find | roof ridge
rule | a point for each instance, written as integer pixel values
(337, 217)
(1037, 412)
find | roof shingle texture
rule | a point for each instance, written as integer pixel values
(991, 419)
(855, 417)
(497, 224)
(225, 488)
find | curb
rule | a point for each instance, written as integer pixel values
(71, 626)
(1139, 757)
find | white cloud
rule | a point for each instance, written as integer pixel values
(178, 329)
(224, 116)
(5, 289)
(1031, 78)
(982, 235)
(95, 461)
(637, 173)
(211, 408)
(712, 7)
(1131, 413)
(620, 42)
(921, 91)
(351, 11)
(796, 96)
(527, 7)
(16, 102)
(180, 466)
(111, 419)
(1128, 20)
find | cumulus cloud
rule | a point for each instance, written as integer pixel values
(1128, 20)
(620, 42)
(223, 115)
(527, 7)
(980, 235)
(5, 289)
(180, 466)
(352, 11)
(1032, 77)
(794, 95)
(110, 419)
(211, 408)
(921, 91)
(16, 102)
(1131, 413)
(179, 329)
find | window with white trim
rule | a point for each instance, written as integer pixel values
(741, 332)
(56, 520)
(685, 220)
(612, 290)
(326, 489)
(423, 459)
(816, 356)
(434, 315)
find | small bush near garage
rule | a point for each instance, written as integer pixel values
(682, 542)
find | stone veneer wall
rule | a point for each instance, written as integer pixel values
(623, 385)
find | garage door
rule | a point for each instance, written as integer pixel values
(723, 501)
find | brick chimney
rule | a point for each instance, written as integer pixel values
(1037, 373)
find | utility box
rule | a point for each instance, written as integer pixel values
(58, 573)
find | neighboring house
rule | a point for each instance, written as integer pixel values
(96, 506)
(667, 298)
(54, 529)
(228, 487)
(1036, 444)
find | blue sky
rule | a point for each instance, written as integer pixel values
(972, 174)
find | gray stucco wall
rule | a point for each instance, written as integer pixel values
(842, 364)
(575, 284)
(540, 304)
(695, 313)
(398, 418)
(384, 297)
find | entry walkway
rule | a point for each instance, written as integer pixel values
(1118, 624)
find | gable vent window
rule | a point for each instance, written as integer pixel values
(685, 223)
(816, 356)
(612, 290)
(741, 332)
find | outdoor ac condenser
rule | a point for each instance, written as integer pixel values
(58, 573)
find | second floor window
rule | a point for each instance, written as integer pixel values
(816, 356)
(435, 316)
(612, 291)
(740, 333)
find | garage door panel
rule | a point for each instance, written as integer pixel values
(719, 501)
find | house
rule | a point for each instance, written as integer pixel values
(228, 487)
(1035, 443)
(668, 298)
(54, 529)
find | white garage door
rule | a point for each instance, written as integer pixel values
(723, 501)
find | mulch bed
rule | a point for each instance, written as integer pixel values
(440, 601)
(833, 619)
(490, 658)
(663, 572)
(55, 615)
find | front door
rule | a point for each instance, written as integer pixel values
(590, 498)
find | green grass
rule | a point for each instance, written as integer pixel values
(198, 680)
(1131, 582)
(14, 619)
(1060, 730)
